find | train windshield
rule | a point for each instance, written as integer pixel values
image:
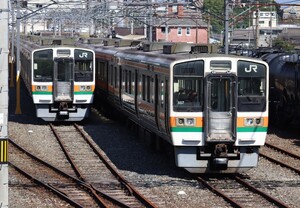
(83, 66)
(188, 86)
(251, 86)
(43, 66)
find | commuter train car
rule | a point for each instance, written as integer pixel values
(212, 108)
(284, 88)
(59, 77)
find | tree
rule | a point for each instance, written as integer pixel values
(215, 8)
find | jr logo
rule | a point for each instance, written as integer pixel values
(83, 55)
(251, 68)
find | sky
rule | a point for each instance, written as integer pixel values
(288, 1)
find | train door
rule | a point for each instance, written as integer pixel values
(63, 86)
(220, 108)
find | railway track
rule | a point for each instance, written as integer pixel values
(64, 185)
(94, 181)
(238, 192)
(93, 167)
(281, 157)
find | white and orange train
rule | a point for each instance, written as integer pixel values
(212, 108)
(59, 76)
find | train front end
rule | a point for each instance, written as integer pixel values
(219, 113)
(63, 82)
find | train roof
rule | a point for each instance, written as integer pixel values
(158, 53)
(33, 46)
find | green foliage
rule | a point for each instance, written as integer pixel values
(215, 9)
(243, 13)
(283, 44)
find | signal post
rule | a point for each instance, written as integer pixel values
(4, 50)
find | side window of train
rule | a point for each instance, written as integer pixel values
(148, 88)
(111, 71)
(125, 80)
(116, 77)
(143, 87)
(162, 94)
(129, 82)
(133, 82)
(152, 90)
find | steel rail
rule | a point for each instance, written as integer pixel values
(47, 186)
(265, 195)
(115, 172)
(279, 162)
(267, 144)
(87, 186)
(219, 193)
(96, 192)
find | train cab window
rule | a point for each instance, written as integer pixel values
(83, 65)
(251, 86)
(188, 86)
(43, 66)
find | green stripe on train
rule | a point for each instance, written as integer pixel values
(186, 129)
(42, 93)
(83, 93)
(252, 129)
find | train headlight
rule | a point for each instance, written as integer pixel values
(41, 88)
(249, 122)
(82, 88)
(85, 88)
(185, 121)
(259, 121)
(253, 121)
(190, 122)
(180, 122)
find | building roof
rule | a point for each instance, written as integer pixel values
(178, 22)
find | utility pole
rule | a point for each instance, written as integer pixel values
(226, 6)
(257, 27)
(150, 22)
(18, 105)
(4, 50)
(12, 52)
